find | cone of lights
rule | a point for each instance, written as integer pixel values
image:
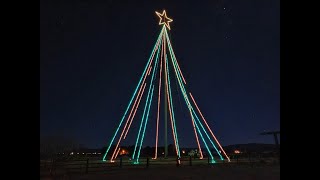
(158, 67)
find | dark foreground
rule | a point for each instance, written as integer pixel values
(185, 173)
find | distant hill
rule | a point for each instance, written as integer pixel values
(251, 147)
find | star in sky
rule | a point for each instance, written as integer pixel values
(164, 19)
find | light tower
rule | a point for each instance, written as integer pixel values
(164, 20)
(160, 68)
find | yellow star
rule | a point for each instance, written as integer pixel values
(164, 19)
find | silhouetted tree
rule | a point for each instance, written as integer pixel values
(52, 145)
(147, 151)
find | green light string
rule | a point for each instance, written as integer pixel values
(157, 43)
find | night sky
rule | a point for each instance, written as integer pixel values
(92, 54)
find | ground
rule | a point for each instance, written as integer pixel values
(185, 172)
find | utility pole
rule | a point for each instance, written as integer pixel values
(275, 135)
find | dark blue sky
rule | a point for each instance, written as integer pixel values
(92, 54)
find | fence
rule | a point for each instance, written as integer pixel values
(54, 167)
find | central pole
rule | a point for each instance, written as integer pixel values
(165, 102)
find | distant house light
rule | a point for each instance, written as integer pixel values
(237, 152)
(124, 152)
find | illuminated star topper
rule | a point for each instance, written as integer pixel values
(164, 19)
